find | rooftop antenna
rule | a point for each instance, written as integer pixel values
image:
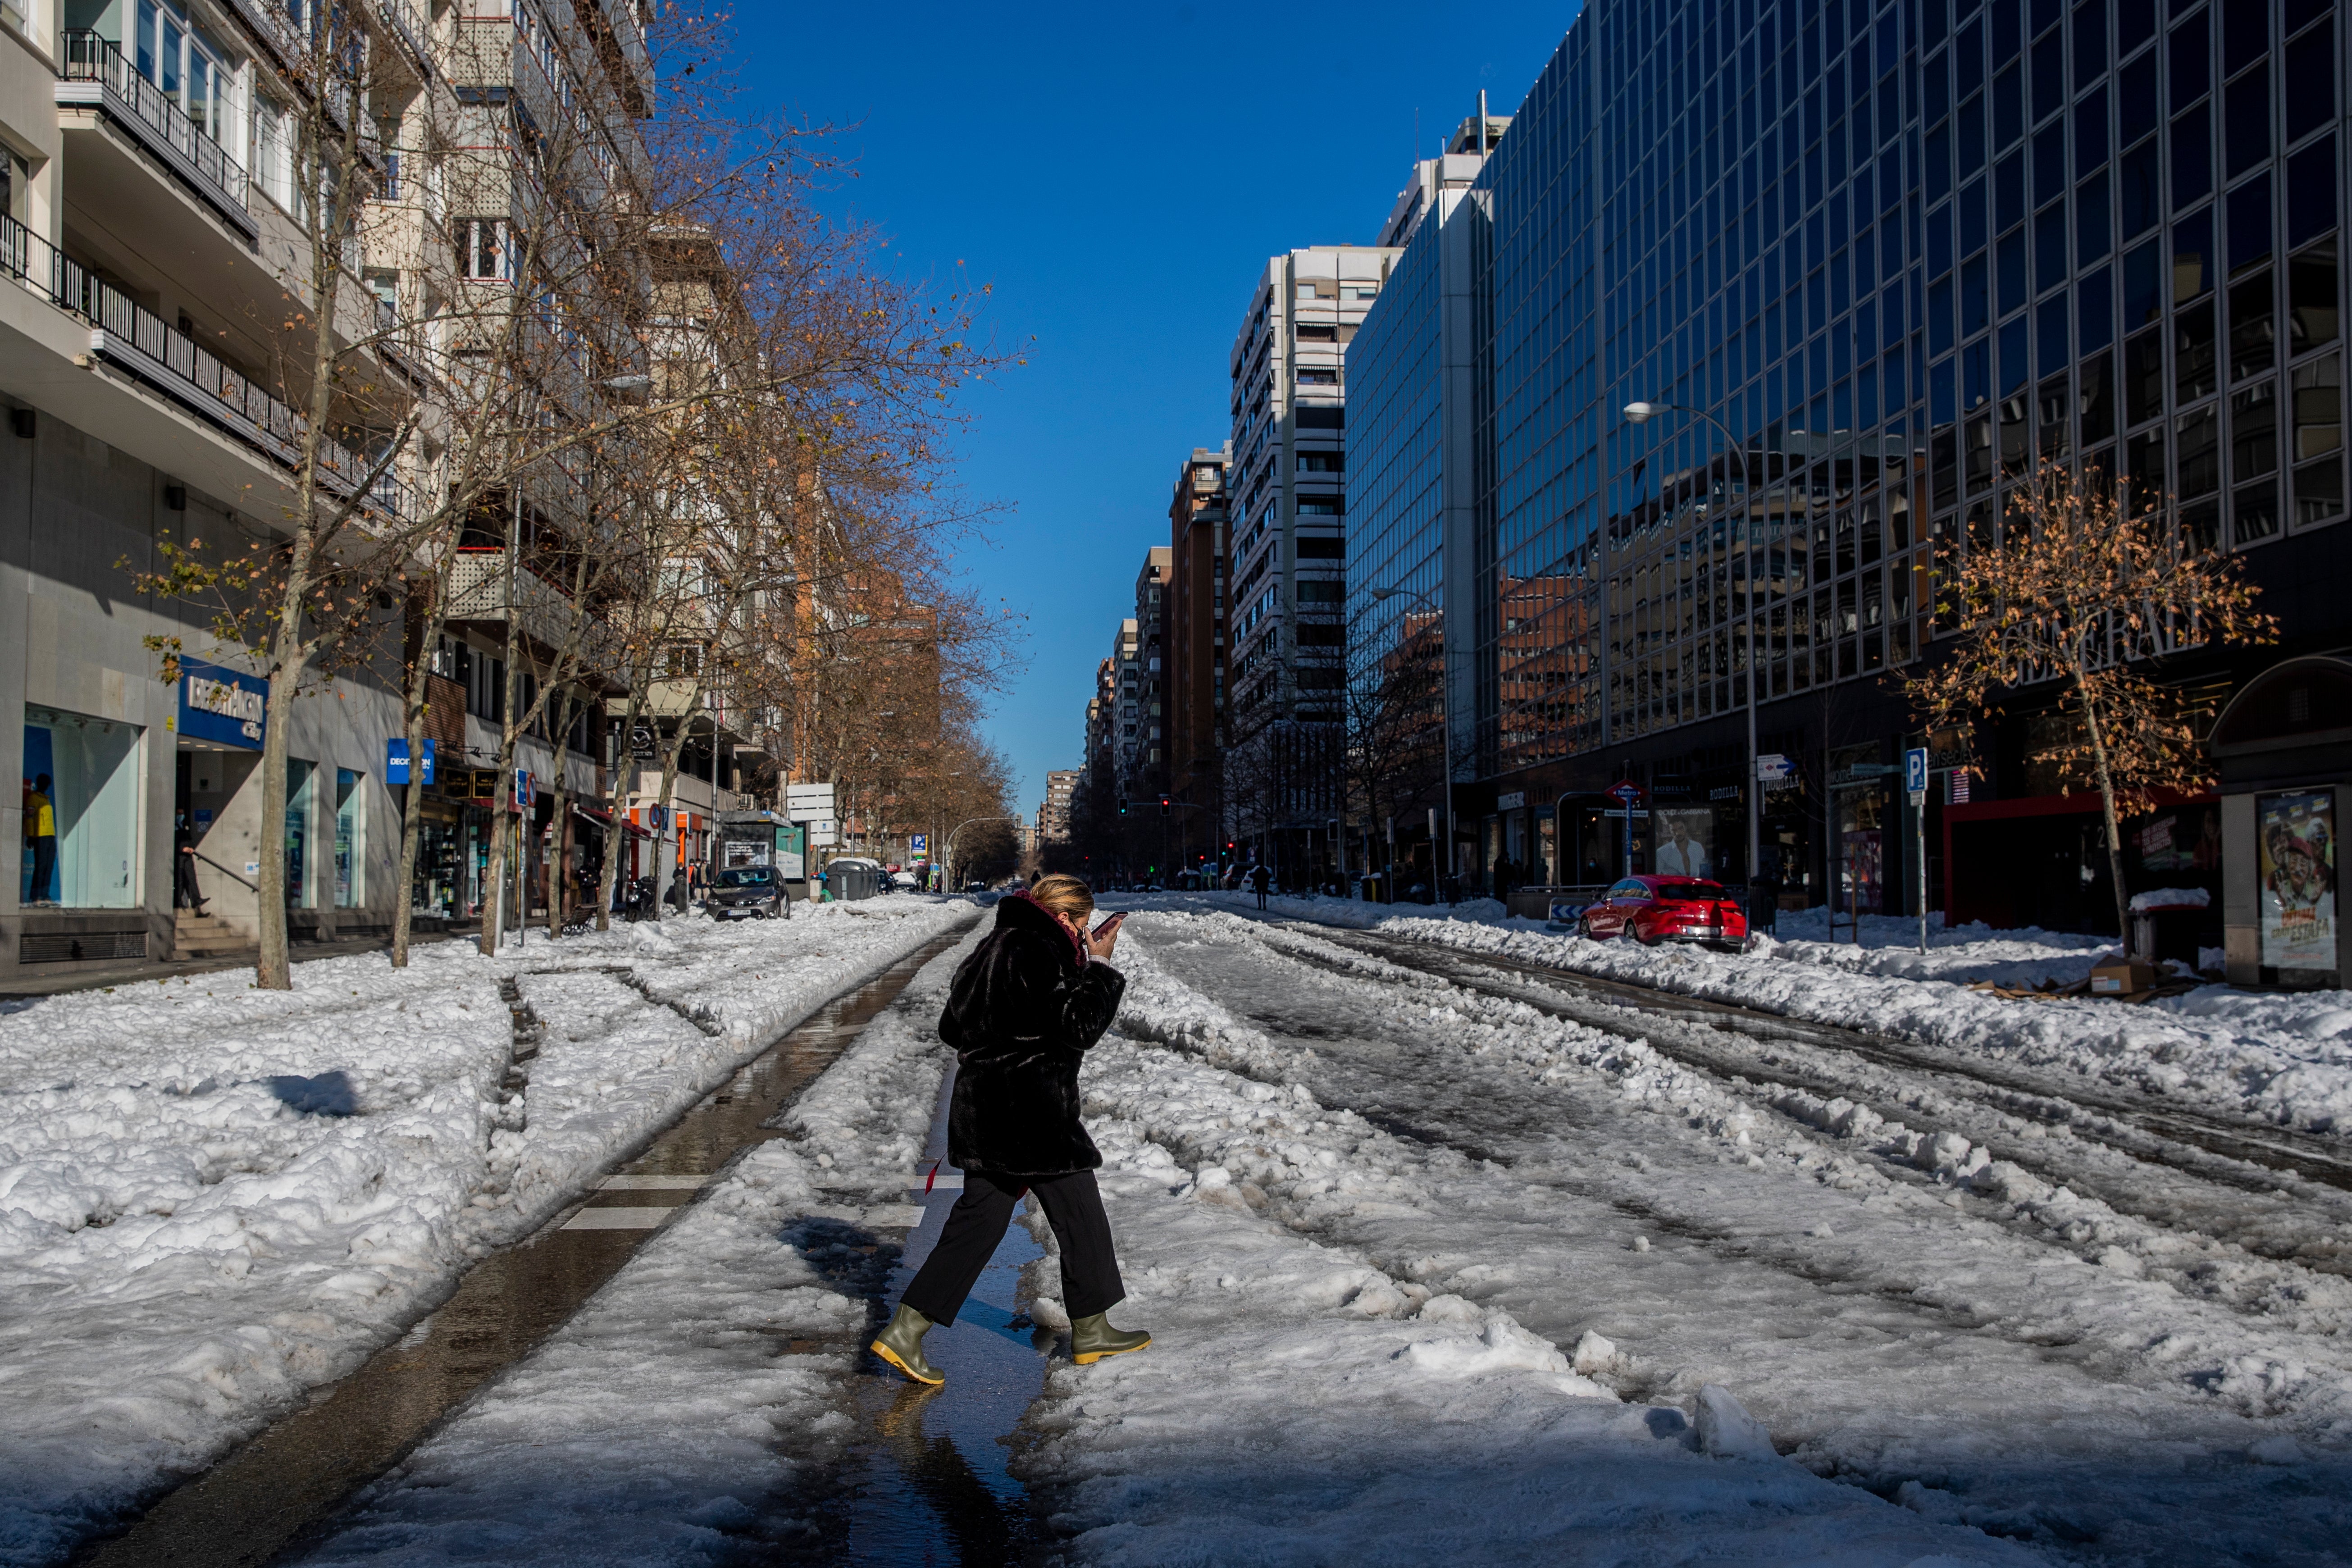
(1482, 124)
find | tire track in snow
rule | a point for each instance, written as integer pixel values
(2185, 1193)
(1972, 1355)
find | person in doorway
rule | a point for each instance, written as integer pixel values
(1034, 996)
(1260, 878)
(41, 838)
(185, 892)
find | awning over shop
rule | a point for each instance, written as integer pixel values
(603, 821)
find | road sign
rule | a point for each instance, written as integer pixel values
(1915, 774)
(1627, 791)
(1772, 767)
(919, 845)
(809, 802)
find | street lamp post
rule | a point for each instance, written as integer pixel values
(1445, 708)
(947, 849)
(1641, 413)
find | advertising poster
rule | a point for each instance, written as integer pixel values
(1865, 872)
(2297, 838)
(1686, 841)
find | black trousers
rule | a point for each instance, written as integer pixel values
(186, 894)
(45, 867)
(1073, 1205)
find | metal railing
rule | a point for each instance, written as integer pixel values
(93, 56)
(135, 337)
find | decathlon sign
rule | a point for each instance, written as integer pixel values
(226, 707)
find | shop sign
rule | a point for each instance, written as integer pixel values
(1512, 800)
(1724, 792)
(226, 707)
(2296, 844)
(1860, 773)
(395, 761)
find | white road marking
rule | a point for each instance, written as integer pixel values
(618, 1219)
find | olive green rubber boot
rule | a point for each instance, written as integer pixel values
(901, 1344)
(1091, 1339)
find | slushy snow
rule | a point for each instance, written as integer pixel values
(214, 1199)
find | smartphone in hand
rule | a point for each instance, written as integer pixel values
(1111, 924)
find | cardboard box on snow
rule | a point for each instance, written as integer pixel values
(2118, 978)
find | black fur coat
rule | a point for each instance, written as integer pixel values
(1023, 1008)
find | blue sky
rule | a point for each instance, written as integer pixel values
(1119, 174)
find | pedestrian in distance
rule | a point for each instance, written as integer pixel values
(1260, 878)
(1023, 1010)
(185, 892)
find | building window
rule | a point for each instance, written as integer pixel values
(302, 833)
(351, 838)
(485, 251)
(81, 812)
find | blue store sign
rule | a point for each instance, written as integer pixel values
(226, 707)
(395, 761)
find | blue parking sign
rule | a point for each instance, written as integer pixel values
(1915, 770)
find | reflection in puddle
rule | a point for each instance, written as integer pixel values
(931, 1483)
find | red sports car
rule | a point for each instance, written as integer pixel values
(1668, 909)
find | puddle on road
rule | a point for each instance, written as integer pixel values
(928, 1483)
(279, 1487)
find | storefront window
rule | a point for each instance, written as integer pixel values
(351, 847)
(440, 863)
(301, 811)
(81, 812)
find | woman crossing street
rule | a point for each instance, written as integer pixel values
(1023, 1011)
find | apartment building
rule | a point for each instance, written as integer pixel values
(1054, 812)
(1147, 771)
(1195, 681)
(1898, 253)
(150, 217)
(1286, 501)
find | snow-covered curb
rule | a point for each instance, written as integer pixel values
(214, 1199)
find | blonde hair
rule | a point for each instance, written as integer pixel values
(1068, 897)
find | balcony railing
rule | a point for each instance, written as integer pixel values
(155, 121)
(127, 333)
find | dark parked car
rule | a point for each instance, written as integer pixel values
(748, 892)
(1652, 910)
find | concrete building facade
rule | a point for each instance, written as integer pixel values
(1286, 484)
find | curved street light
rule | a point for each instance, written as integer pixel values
(1444, 708)
(1641, 413)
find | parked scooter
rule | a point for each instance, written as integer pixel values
(637, 899)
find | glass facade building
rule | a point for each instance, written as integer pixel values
(1900, 252)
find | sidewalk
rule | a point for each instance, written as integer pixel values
(25, 988)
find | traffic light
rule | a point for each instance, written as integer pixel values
(1163, 805)
(1122, 805)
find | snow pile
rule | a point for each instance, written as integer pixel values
(1883, 1295)
(2280, 1059)
(1299, 1404)
(2173, 899)
(214, 1198)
